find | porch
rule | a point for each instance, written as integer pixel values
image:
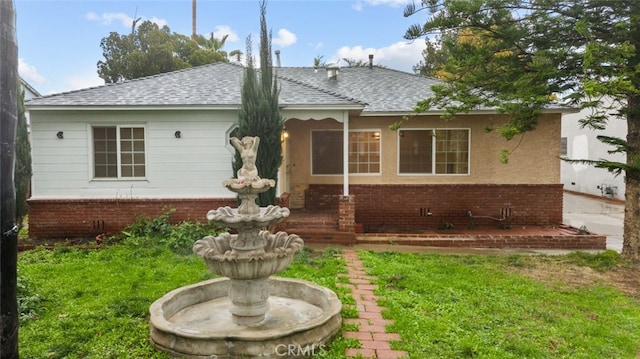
(322, 227)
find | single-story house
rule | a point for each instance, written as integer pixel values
(103, 156)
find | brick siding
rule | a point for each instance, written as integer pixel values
(90, 217)
(400, 206)
(420, 206)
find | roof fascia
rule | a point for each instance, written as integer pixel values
(349, 107)
(366, 113)
(315, 114)
(129, 108)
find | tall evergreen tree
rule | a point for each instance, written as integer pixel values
(523, 54)
(23, 163)
(259, 113)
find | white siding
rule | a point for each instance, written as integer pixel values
(192, 166)
(583, 144)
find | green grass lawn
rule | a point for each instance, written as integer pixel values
(94, 303)
(472, 306)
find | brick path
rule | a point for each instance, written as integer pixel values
(375, 340)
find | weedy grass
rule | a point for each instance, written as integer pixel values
(471, 306)
(82, 303)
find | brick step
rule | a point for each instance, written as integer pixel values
(323, 236)
(312, 221)
(312, 227)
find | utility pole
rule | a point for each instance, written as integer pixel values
(8, 229)
(194, 34)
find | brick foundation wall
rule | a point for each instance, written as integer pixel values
(429, 206)
(90, 217)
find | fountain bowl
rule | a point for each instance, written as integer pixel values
(193, 322)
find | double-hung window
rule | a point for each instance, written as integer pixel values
(119, 152)
(433, 151)
(327, 152)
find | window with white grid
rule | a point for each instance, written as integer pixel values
(118, 152)
(433, 151)
(327, 152)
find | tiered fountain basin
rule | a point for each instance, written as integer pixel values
(247, 314)
(195, 322)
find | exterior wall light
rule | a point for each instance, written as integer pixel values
(178, 134)
(60, 134)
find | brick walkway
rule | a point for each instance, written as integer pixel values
(372, 334)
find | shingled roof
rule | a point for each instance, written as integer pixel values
(374, 90)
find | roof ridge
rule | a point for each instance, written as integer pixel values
(323, 90)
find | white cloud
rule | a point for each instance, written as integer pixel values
(157, 21)
(400, 55)
(393, 3)
(30, 73)
(222, 30)
(359, 5)
(126, 21)
(109, 18)
(77, 82)
(285, 38)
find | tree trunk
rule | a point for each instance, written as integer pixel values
(194, 34)
(631, 243)
(8, 229)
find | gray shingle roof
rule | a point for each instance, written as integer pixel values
(382, 89)
(376, 89)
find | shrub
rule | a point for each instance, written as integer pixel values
(158, 231)
(152, 227)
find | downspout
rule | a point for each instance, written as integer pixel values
(345, 153)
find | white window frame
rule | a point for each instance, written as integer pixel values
(118, 152)
(434, 152)
(373, 131)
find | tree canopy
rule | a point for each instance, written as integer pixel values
(151, 50)
(523, 55)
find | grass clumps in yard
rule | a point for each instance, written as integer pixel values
(484, 306)
(159, 231)
(81, 303)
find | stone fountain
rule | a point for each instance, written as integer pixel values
(248, 314)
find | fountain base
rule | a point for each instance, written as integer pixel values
(195, 321)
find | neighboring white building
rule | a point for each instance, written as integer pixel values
(581, 143)
(29, 91)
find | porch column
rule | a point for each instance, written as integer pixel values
(345, 153)
(347, 214)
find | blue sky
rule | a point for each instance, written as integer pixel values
(59, 40)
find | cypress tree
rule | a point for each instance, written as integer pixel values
(259, 113)
(23, 163)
